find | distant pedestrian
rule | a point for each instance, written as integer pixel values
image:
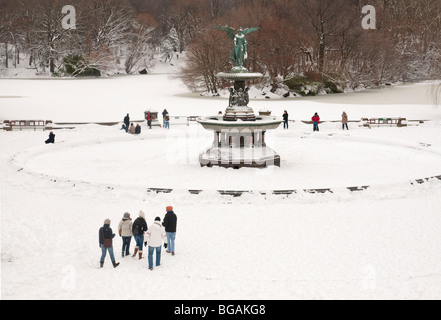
(149, 119)
(155, 237)
(139, 227)
(170, 223)
(285, 119)
(51, 138)
(132, 129)
(344, 120)
(138, 129)
(167, 121)
(105, 236)
(125, 232)
(164, 113)
(316, 121)
(127, 122)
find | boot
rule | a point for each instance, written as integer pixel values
(140, 255)
(101, 264)
(136, 251)
(115, 264)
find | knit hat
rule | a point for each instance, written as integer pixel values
(107, 221)
(157, 219)
(142, 214)
(169, 208)
(126, 215)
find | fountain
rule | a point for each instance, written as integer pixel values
(239, 135)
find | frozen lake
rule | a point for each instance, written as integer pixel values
(110, 99)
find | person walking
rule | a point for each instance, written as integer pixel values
(149, 119)
(125, 232)
(164, 113)
(285, 119)
(127, 122)
(139, 227)
(344, 121)
(316, 121)
(105, 236)
(167, 121)
(170, 223)
(155, 236)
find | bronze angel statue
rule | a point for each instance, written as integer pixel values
(239, 54)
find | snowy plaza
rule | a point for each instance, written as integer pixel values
(348, 214)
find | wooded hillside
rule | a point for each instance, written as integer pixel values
(300, 42)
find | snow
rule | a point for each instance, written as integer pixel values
(381, 243)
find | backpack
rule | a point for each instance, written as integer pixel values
(137, 227)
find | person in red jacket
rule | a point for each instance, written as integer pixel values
(149, 119)
(316, 121)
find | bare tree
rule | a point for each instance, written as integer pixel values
(186, 17)
(205, 58)
(139, 40)
(46, 32)
(106, 28)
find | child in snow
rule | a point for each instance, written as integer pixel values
(155, 236)
(105, 238)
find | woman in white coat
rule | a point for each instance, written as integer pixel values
(155, 237)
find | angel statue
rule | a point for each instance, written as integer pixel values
(239, 54)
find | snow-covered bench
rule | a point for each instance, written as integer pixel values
(24, 125)
(391, 122)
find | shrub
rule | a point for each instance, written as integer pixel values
(74, 65)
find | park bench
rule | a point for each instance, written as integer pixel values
(391, 122)
(26, 125)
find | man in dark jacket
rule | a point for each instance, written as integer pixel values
(170, 222)
(285, 119)
(105, 236)
(51, 138)
(127, 122)
(138, 129)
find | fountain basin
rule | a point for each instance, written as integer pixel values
(239, 143)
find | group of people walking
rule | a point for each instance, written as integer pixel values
(316, 121)
(153, 237)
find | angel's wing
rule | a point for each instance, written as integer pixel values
(230, 31)
(249, 30)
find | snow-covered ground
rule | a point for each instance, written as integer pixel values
(383, 242)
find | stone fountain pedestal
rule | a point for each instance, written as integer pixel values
(239, 135)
